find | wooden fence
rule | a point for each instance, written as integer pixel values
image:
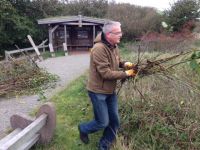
(8, 54)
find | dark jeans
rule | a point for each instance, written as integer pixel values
(105, 107)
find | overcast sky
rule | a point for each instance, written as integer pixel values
(159, 4)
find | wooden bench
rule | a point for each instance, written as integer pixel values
(29, 131)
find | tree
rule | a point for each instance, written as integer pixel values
(135, 20)
(13, 27)
(93, 8)
(182, 12)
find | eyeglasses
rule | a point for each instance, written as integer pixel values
(116, 33)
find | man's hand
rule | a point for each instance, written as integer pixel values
(128, 65)
(131, 73)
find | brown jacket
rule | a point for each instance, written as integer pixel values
(104, 67)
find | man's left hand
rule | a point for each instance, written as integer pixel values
(128, 65)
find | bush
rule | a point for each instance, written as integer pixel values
(160, 111)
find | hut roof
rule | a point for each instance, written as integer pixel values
(68, 19)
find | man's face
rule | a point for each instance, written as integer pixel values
(115, 35)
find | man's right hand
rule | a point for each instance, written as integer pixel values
(131, 73)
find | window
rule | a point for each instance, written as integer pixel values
(61, 34)
(82, 34)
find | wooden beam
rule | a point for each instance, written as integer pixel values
(65, 49)
(80, 21)
(51, 50)
(25, 135)
(54, 28)
(24, 49)
(93, 35)
(30, 143)
(75, 23)
(51, 30)
(50, 35)
(33, 44)
(10, 136)
(43, 42)
(65, 31)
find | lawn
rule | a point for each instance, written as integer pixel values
(72, 107)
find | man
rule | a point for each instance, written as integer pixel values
(103, 75)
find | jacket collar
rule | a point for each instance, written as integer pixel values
(103, 39)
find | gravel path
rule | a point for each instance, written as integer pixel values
(67, 68)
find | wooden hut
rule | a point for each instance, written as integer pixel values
(74, 33)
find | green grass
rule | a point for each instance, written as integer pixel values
(72, 107)
(58, 53)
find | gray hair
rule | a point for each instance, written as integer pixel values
(108, 26)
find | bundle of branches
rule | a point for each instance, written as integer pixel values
(22, 76)
(164, 65)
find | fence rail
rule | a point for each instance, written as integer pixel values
(9, 53)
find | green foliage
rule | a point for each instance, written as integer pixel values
(58, 53)
(135, 20)
(95, 8)
(194, 64)
(182, 12)
(13, 27)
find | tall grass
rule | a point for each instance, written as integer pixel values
(166, 116)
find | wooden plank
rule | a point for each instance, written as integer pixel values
(30, 142)
(24, 49)
(33, 44)
(16, 142)
(43, 42)
(84, 24)
(9, 136)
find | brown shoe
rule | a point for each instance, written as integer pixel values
(84, 137)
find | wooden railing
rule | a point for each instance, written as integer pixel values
(8, 54)
(28, 131)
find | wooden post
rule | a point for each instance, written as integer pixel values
(33, 44)
(93, 35)
(51, 50)
(6, 55)
(65, 31)
(35, 47)
(80, 21)
(65, 49)
(51, 30)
